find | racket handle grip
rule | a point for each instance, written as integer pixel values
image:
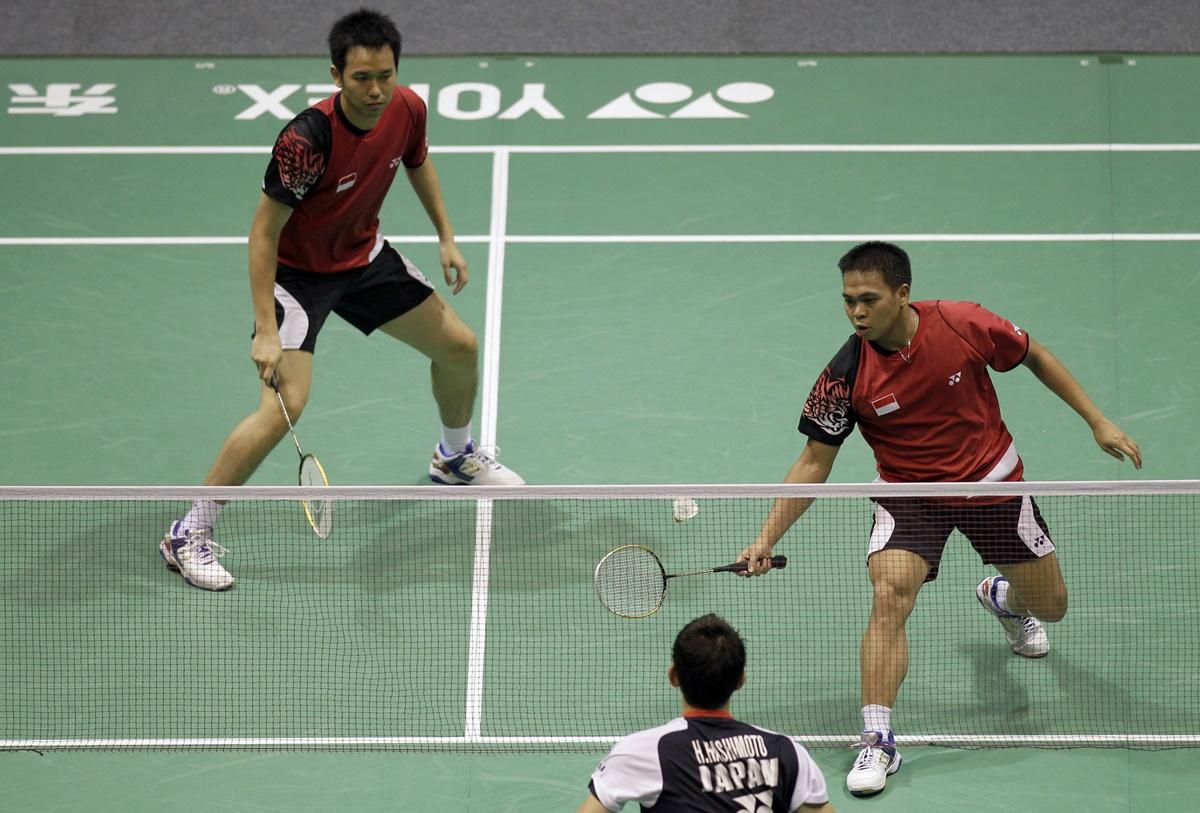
(777, 562)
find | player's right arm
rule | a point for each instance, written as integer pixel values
(827, 420)
(269, 219)
(812, 466)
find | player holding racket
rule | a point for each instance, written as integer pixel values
(316, 247)
(705, 759)
(914, 378)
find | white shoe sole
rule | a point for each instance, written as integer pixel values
(892, 768)
(439, 476)
(164, 550)
(1033, 656)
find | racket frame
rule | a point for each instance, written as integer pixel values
(320, 518)
(322, 523)
(662, 592)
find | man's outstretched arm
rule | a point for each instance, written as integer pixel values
(1058, 379)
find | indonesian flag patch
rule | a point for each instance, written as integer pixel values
(886, 404)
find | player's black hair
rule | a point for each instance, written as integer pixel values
(889, 260)
(366, 28)
(709, 659)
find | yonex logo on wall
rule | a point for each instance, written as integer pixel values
(473, 101)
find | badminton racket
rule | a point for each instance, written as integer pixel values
(631, 581)
(319, 513)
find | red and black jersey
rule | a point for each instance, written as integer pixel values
(708, 761)
(930, 414)
(335, 178)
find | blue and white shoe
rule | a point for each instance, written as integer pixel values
(193, 554)
(1025, 634)
(473, 467)
(877, 760)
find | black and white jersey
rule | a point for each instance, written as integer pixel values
(708, 762)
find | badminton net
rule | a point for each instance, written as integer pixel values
(449, 618)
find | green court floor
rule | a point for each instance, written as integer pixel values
(652, 245)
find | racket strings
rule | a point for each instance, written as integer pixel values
(630, 582)
(311, 473)
(319, 512)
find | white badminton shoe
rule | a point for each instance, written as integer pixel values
(1025, 634)
(877, 760)
(193, 554)
(473, 467)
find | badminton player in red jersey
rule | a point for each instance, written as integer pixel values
(914, 379)
(316, 247)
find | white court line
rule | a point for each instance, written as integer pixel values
(495, 295)
(199, 241)
(641, 148)
(834, 740)
(582, 239)
(1092, 237)
(489, 398)
(856, 148)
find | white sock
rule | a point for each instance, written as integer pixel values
(454, 439)
(1001, 592)
(877, 718)
(203, 514)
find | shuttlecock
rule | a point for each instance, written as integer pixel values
(684, 508)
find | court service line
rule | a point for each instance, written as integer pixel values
(1085, 237)
(489, 398)
(816, 740)
(854, 148)
(533, 149)
(534, 239)
(198, 241)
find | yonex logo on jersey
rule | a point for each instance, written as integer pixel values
(754, 803)
(886, 404)
(395, 162)
(347, 181)
(954, 379)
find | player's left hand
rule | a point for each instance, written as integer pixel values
(1112, 440)
(454, 265)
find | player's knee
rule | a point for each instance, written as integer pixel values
(295, 408)
(462, 350)
(892, 601)
(1049, 605)
(273, 416)
(1055, 606)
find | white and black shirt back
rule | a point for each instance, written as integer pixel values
(708, 761)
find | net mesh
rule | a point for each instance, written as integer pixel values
(437, 618)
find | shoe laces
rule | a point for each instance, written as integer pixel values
(201, 548)
(871, 748)
(483, 457)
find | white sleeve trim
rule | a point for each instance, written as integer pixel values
(631, 772)
(810, 786)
